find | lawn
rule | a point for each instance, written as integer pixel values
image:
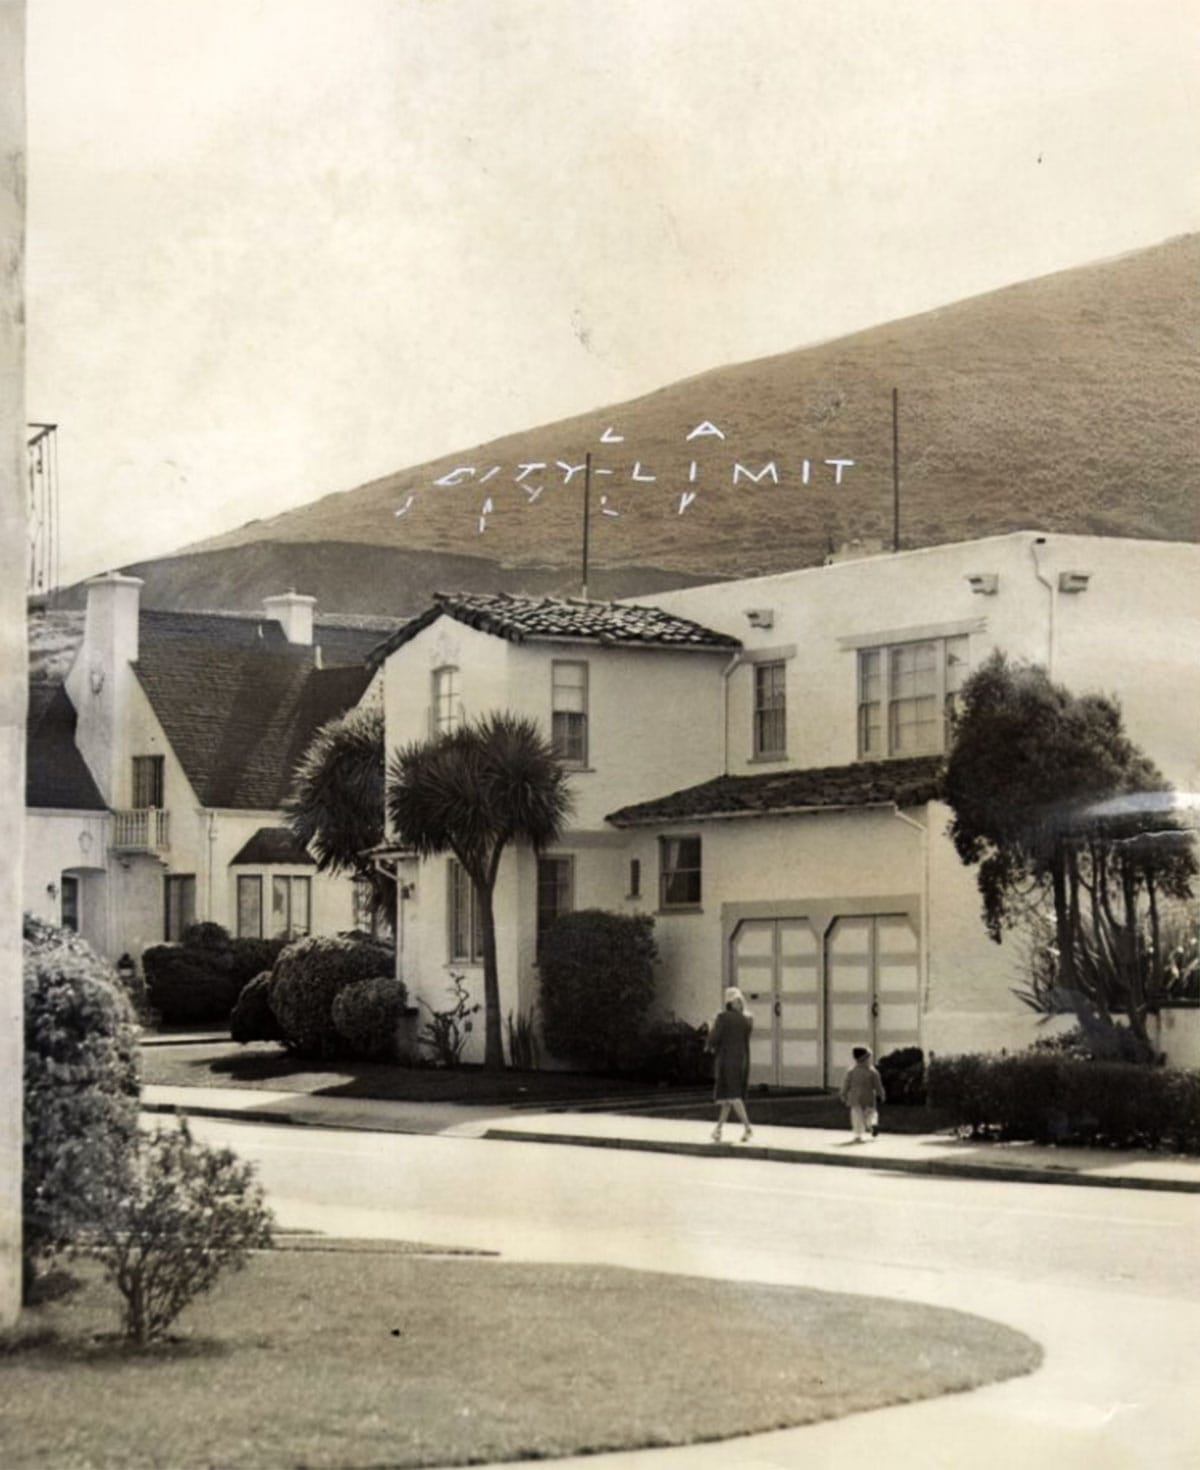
(266, 1065)
(384, 1356)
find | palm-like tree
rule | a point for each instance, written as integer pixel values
(471, 792)
(336, 803)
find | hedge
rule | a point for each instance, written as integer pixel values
(597, 983)
(198, 981)
(1046, 1098)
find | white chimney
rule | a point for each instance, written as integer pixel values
(293, 611)
(99, 680)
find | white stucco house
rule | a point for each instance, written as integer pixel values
(757, 762)
(157, 770)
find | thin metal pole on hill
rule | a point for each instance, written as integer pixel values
(587, 495)
(895, 469)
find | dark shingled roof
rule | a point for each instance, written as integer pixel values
(909, 782)
(524, 619)
(239, 713)
(272, 845)
(56, 775)
(343, 638)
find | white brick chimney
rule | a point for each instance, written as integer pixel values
(293, 611)
(100, 678)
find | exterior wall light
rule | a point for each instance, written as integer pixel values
(760, 617)
(1073, 581)
(987, 583)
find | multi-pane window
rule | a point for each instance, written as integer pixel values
(291, 906)
(770, 710)
(569, 712)
(250, 906)
(555, 892)
(69, 898)
(465, 926)
(147, 781)
(447, 700)
(906, 696)
(179, 905)
(678, 872)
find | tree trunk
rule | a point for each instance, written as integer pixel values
(493, 1035)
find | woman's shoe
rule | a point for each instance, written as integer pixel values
(716, 1135)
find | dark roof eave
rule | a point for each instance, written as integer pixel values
(663, 818)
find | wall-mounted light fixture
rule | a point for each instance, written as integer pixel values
(1073, 581)
(987, 583)
(52, 889)
(760, 617)
(96, 679)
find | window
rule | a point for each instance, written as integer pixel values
(770, 710)
(68, 887)
(250, 907)
(447, 700)
(291, 907)
(569, 712)
(906, 696)
(147, 781)
(555, 892)
(465, 926)
(179, 905)
(635, 878)
(679, 872)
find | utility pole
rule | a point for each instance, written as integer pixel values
(895, 469)
(587, 496)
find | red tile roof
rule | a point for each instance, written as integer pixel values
(910, 782)
(533, 619)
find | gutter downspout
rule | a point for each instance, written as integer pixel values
(1038, 543)
(734, 663)
(923, 829)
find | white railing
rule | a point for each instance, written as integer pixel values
(147, 829)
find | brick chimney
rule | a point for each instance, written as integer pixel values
(293, 611)
(100, 678)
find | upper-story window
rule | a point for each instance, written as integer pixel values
(770, 710)
(906, 696)
(147, 781)
(569, 712)
(447, 700)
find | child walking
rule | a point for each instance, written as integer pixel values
(862, 1092)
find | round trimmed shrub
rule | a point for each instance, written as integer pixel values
(307, 977)
(368, 1015)
(903, 1075)
(252, 1018)
(597, 983)
(250, 957)
(81, 1084)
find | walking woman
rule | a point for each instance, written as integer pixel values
(729, 1041)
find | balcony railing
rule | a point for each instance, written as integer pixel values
(147, 829)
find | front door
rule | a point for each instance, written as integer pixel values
(775, 964)
(872, 985)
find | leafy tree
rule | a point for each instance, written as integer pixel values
(472, 792)
(336, 804)
(1056, 806)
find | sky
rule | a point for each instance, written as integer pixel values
(278, 248)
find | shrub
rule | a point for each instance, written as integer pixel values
(368, 1015)
(446, 1032)
(307, 976)
(252, 1018)
(167, 1221)
(597, 974)
(250, 957)
(81, 1084)
(189, 987)
(524, 1054)
(672, 1051)
(903, 1074)
(1048, 1098)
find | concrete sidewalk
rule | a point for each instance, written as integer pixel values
(930, 1154)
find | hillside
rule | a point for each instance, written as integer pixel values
(1065, 403)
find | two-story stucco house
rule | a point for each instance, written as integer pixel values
(158, 769)
(756, 763)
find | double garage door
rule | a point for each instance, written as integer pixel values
(817, 992)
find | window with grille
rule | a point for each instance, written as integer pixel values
(906, 696)
(465, 926)
(569, 712)
(291, 906)
(447, 700)
(770, 710)
(679, 872)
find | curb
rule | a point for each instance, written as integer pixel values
(1006, 1173)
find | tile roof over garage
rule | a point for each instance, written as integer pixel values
(238, 706)
(550, 619)
(56, 775)
(902, 783)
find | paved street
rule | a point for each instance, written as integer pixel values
(1107, 1280)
